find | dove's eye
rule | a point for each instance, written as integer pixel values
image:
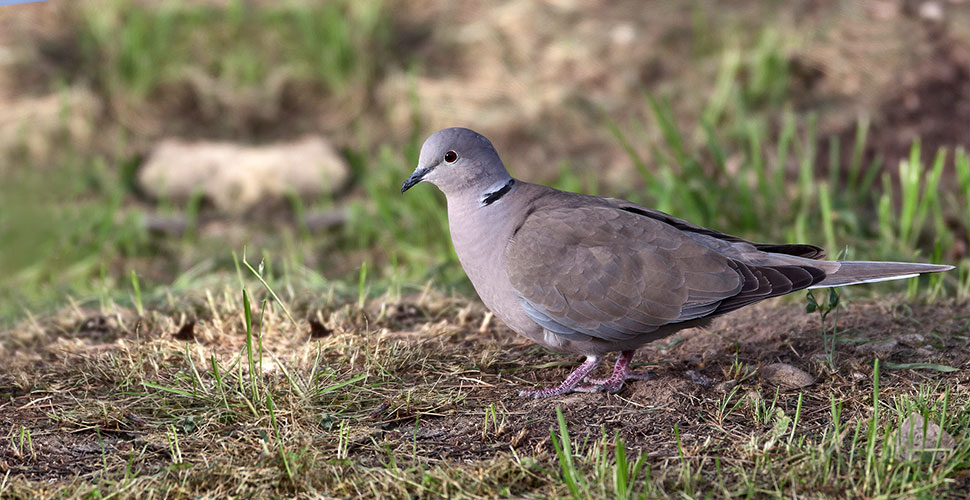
(451, 157)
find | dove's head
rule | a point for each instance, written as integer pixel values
(459, 160)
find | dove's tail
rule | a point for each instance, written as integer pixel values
(853, 272)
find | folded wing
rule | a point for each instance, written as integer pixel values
(605, 272)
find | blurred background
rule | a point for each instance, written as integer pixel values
(145, 145)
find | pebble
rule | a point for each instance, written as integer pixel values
(786, 376)
(913, 339)
(699, 379)
(753, 398)
(911, 441)
(880, 348)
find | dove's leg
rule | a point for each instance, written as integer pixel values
(571, 381)
(621, 373)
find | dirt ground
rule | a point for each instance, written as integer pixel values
(76, 383)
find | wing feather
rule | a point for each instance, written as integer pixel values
(613, 274)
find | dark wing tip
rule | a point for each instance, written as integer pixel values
(795, 249)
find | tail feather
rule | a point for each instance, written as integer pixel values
(853, 272)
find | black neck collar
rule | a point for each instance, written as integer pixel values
(496, 195)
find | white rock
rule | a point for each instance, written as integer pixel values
(237, 177)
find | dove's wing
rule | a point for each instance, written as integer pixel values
(608, 273)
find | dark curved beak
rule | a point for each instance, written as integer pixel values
(415, 178)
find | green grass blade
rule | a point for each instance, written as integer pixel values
(563, 448)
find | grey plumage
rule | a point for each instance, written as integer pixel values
(593, 275)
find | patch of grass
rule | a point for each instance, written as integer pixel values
(732, 184)
(745, 168)
(61, 233)
(854, 458)
(607, 471)
(390, 403)
(131, 49)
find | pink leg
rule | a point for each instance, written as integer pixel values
(571, 381)
(621, 373)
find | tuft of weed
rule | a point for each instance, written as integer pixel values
(728, 182)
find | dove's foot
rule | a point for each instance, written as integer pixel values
(621, 373)
(568, 385)
(612, 384)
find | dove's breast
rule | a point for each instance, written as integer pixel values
(480, 235)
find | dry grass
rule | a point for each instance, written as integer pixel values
(411, 399)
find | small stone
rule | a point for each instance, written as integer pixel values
(786, 376)
(931, 11)
(574, 399)
(913, 339)
(726, 386)
(698, 378)
(819, 357)
(623, 34)
(753, 398)
(880, 348)
(911, 440)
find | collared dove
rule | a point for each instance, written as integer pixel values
(592, 275)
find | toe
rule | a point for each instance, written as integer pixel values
(613, 389)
